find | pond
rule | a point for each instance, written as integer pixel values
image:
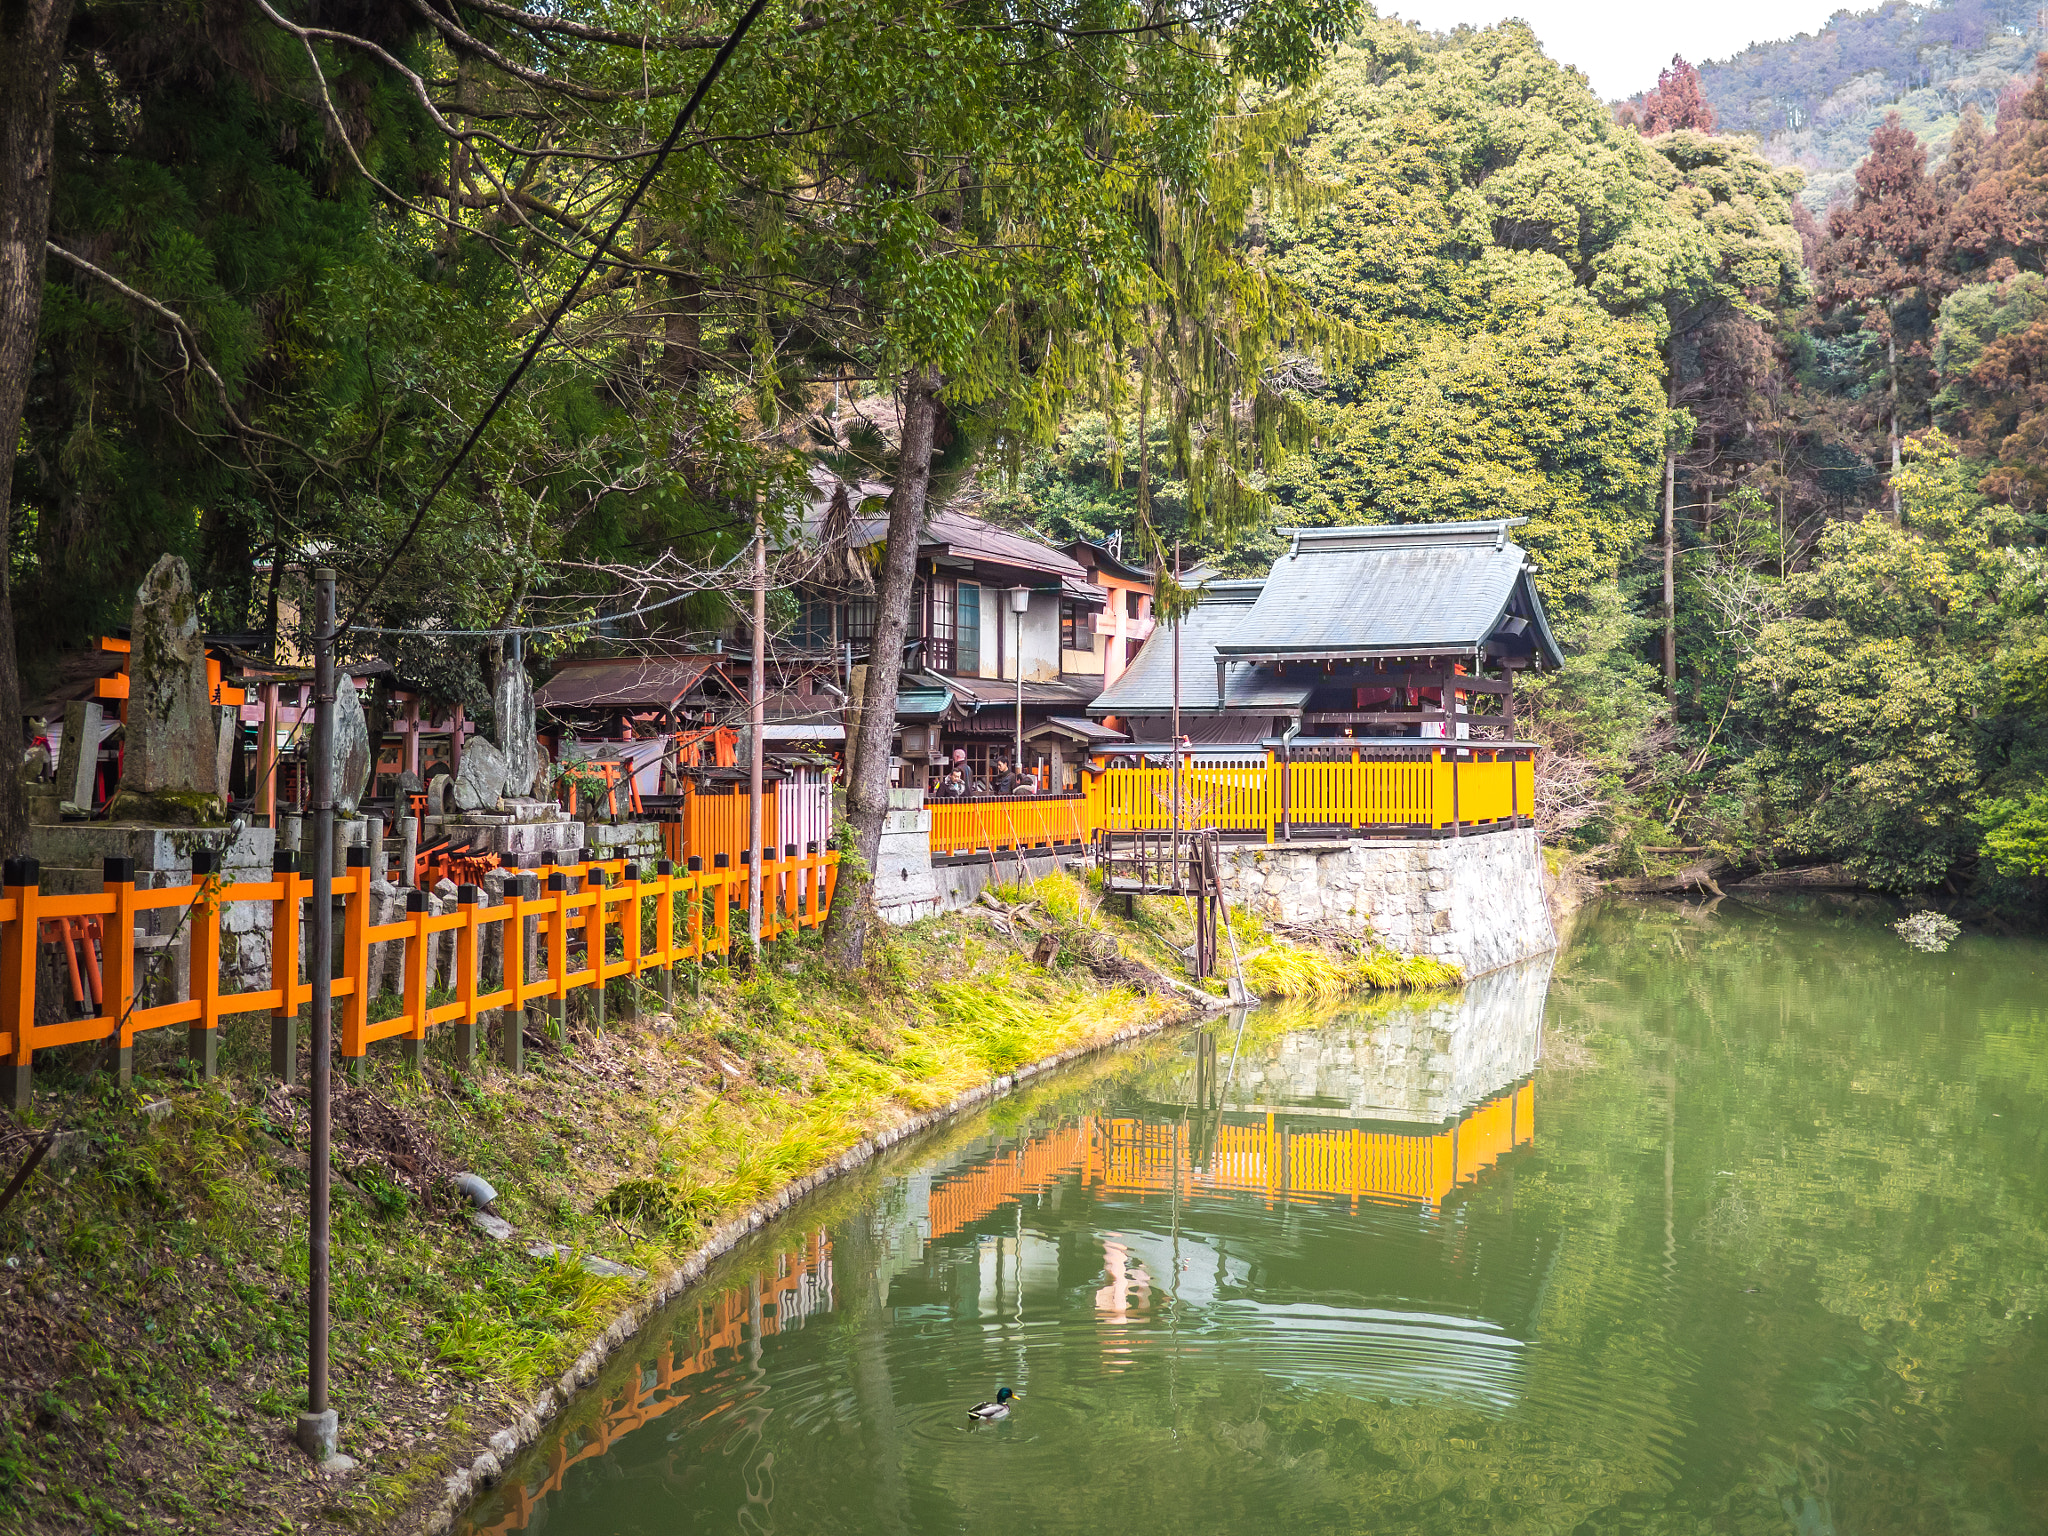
(1730, 1220)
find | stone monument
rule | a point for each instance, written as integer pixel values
(78, 755)
(518, 742)
(351, 748)
(169, 771)
(483, 779)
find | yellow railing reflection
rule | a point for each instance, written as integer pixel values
(1343, 1161)
(1113, 1155)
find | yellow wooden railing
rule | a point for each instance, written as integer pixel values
(1473, 787)
(603, 907)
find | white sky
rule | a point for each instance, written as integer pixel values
(1622, 46)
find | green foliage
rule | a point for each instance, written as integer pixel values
(2015, 832)
(1294, 971)
(1872, 701)
(1517, 253)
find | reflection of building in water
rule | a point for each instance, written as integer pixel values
(1362, 1131)
(1428, 1062)
(799, 1287)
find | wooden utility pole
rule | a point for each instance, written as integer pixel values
(1176, 719)
(758, 714)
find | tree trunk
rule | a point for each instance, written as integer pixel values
(1671, 551)
(867, 787)
(1891, 351)
(31, 52)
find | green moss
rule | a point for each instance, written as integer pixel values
(174, 808)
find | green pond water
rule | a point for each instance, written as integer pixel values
(1725, 1221)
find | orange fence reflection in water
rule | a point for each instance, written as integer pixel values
(800, 1286)
(1112, 1154)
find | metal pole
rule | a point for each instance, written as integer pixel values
(1017, 752)
(319, 1426)
(758, 714)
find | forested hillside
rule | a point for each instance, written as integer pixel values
(1557, 303)
(1816, 98)
(1787, 482)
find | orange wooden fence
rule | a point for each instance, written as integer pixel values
(1008, 822)
(626, 922)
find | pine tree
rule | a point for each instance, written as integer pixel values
(1677, 101)
(1878, 265)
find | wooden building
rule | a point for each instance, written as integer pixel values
(1357, 636)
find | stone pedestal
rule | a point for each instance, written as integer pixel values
(520, 832)
(905, 888)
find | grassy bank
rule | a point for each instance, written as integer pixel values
(152, 1277)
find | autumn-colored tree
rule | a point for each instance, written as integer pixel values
(1878, 268)
(1677, 101)
(1969, 153)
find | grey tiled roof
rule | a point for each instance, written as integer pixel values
(1391, 591)
(1146, 686)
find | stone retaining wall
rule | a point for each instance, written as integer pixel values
(1477, 901)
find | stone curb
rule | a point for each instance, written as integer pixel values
(460, 1488)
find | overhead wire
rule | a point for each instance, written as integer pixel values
(562, 306)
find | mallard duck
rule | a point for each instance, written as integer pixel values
(999, 1409)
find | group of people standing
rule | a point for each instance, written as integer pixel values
(1004, 779)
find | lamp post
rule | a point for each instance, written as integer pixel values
(1020, 601)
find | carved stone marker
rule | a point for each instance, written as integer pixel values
(78, 757)
(351, 748)
(169, 769)
(512, 706)
(480, 782)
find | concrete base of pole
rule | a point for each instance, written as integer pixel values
(124, 1065)
(319, 1434)
(668, 989)
(357, 1069)
(512, 1039)
(202, 1048)
(465, 1045)
(284, 1048)
(413, 1053)
(21, 1090)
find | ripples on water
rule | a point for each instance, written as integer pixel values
(1771, 1262)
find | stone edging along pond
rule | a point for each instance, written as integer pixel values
(462, 1487)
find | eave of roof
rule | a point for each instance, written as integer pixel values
(1372, 593)
(622, 681)
(1099, 557)
(1146, 686)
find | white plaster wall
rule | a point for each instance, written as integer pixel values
(992, 622)
(1042, 639)
(1476, 900)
